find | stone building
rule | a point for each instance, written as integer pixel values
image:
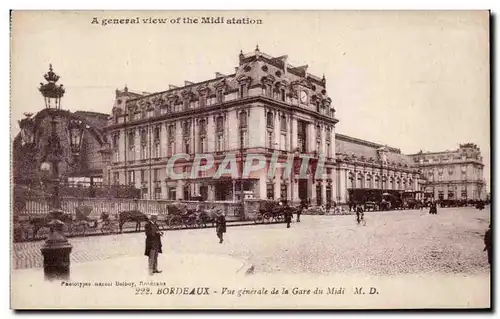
(453, 175)
(365, 170)
(82, 158)
(266, 106)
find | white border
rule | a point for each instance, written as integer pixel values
(182, 5)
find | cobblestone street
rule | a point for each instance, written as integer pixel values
(395, 242)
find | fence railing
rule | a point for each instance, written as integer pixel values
(113, 206)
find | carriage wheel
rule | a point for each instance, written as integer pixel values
(267, 217)
(174, 222)
(259, 219)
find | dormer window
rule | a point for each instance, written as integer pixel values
(243, 90)
(220, 96)
(203, 100)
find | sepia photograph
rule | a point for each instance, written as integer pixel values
(197, 160)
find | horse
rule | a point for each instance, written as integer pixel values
(38, 222)
(207, 216)
(132, 216)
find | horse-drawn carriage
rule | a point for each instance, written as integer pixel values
(272, 211)
(179, 215)
(31, 227)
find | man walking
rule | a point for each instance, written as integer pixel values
(153, 244)
(487, 243)
(220, 226)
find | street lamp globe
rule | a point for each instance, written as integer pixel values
(52, 92)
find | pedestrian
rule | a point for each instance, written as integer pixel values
(303, 206)
(433, 208)
(220, 226)
(153, 244)
(488, 243)
(288, 217)
(359, 212)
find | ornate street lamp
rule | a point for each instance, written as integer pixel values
(51, 92)
(76, 128)
(57, 249)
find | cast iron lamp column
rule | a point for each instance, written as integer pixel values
(56, 250)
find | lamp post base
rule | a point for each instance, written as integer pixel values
(56, 262)
(56, 250)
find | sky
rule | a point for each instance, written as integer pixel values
(413, 80)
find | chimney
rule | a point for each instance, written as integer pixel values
(219, 75)
(285, 64)
(171, 87)
(186, 83)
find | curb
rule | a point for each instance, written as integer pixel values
(229, 224)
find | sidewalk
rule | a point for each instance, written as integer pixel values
(124, 277)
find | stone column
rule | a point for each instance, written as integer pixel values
(343, 185)
(293, 132)
(311, 137)
(323, 192)
(294, 189)
(311, 191)
(210, 134)
(334, 184)
(179, 190)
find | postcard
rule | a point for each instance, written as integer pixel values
(250, 160)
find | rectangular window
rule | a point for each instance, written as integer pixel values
(131, 139)
(187, 148)
(157, 133)
(203, 101)
(156, 174)
(131, 154)
(283, 95)
(144, 137)
(157, 150)
(171, 131)
(202, 144)
(185, 104)
(220, 141)
(143, 176)
(171, 148)
(328, 150)
(131, 177)
(318, 146)
(117, 156)
(172, 193)
(270, 140)
(116, 178)
(220, 124)
(116, 139)
(144, 152)
(270, 190)
(157, 192)
(283, 141)
(284, 191)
